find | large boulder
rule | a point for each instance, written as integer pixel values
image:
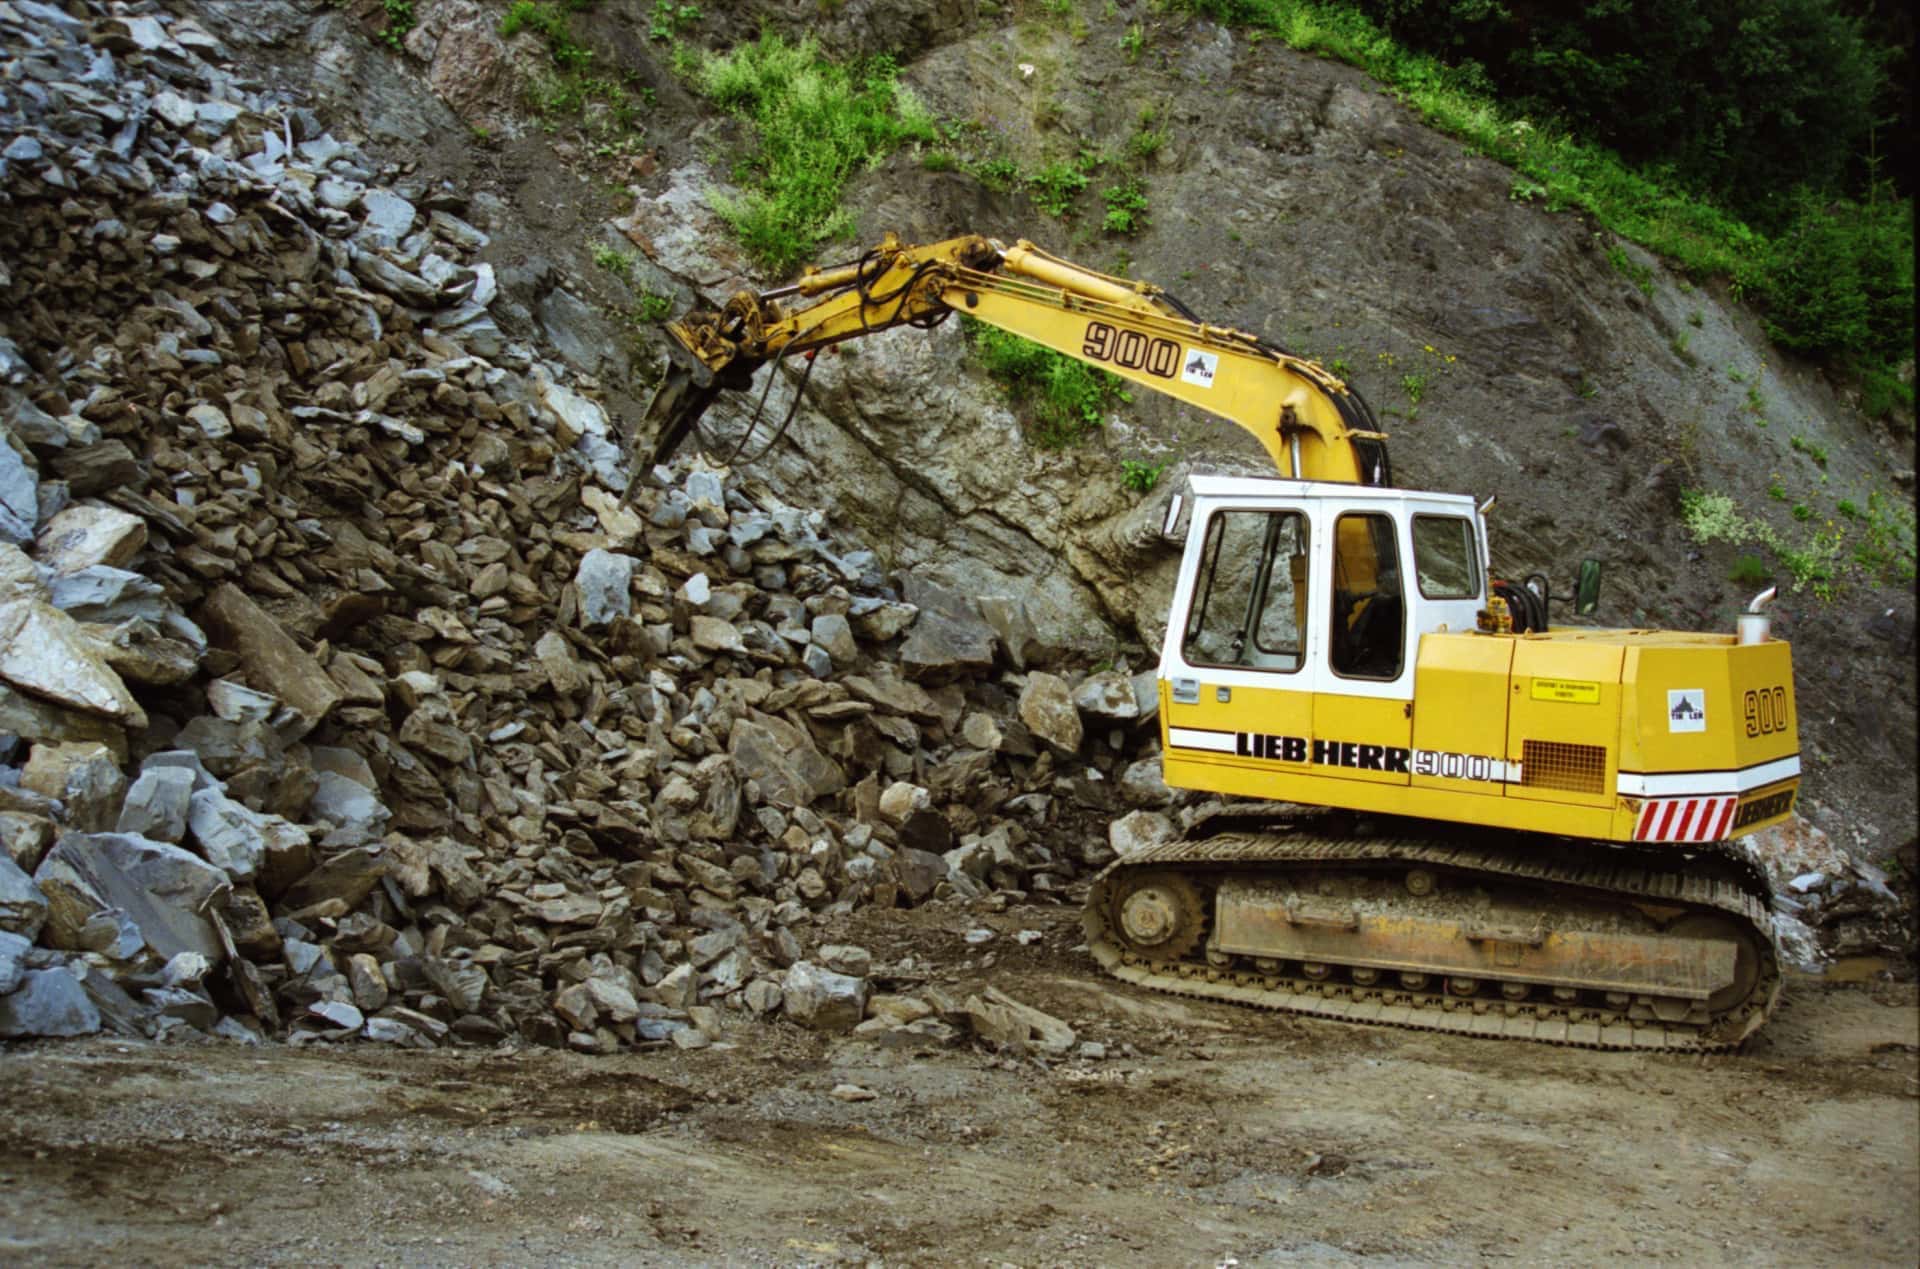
(96, 881)
(823, 1000)
(50, 1002)
(948, 640)
(1047, 708)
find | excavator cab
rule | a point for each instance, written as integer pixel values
(1296, 621)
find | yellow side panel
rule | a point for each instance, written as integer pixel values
(1262, 711)
(1565, 698)
(1355, 725)
(1659, 734)
(1460, 712)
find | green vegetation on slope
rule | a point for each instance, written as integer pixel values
(1834, 281)
(815, 124)
(1742, 100)
(1067, 399)
(607, 109)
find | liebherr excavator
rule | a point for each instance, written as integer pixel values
(1456, 818)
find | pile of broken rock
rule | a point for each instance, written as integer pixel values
(349, 686)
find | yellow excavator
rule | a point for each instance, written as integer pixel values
(1454, 817)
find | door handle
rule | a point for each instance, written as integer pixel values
(1186, 691)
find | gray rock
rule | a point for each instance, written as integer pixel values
(211, 420)
(605, 580)
(575, 329)
(109, 596)
(51, 1003)
(1107, 696)
(817, 660)
(159, 890)
(13, 960)
(1009, 620)
(1046, 707)
(23, 909)
(389, 218)
(156, 805)
(346, 803)
(823, 1000)
(20, 494)
(832, 632)
(1138, 831)
(390, 279)
(782, 760)
(1144, 783)
(948, 640)
(235, 838)
(184, 759)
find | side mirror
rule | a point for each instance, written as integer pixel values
(1586, 588)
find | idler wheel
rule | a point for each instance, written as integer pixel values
(1160, 914)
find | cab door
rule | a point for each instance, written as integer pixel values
(1236, 672)
(1363, 682)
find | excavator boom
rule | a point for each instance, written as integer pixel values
(1311, 424)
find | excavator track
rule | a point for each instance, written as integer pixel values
(1172, 899)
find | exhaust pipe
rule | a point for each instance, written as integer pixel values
(1753, 624)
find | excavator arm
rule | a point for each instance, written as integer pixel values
(1311, 424)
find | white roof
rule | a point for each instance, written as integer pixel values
(1229, 488)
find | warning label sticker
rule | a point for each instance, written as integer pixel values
(1570, 691)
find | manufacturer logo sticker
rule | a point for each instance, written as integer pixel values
(1687, 709)
(1200, 368)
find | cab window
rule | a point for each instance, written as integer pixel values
(1369, 605)
(1250, 599)
(1444, 557)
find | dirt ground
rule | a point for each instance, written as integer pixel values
(1208, 1135)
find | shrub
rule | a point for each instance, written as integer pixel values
(1839, 281)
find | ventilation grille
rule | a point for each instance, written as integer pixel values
(1548, 764)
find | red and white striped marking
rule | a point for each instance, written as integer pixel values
(1685, 819)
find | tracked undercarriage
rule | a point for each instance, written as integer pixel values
(1477, 932)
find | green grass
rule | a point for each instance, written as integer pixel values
(1067, 400)
(1141, 476)
(1837, 284)
(1054, 187)
(614, 261)
(1126, 207)
(815, 124)
(1875, 546)
(607, 110)
(669, 19)
(400, 20)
